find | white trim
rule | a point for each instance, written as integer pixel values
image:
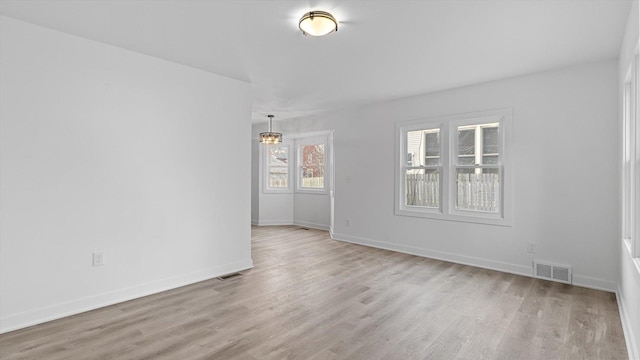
(77, 306)
(311, 225)
(439, 255)
(275, 222)
(635, 157)
(594, 283)
(579, 280)
(332, 183)
(402, 128)
(632, 269)
(312, 140)
(630, 201)
(627, 329)
(264, 158)
(448, 140)
(626, 243)
(310, 134)
(306, 224)
(630, 173)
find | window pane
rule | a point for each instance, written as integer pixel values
(413, 147)
(278, 155)
(478, 190)
(422, 188)
(432, 146)
(490, 140)
(490, 159)
(466, 159)
(312, 169)
(423, 147)
(466, 141)
(433, 161)
(278, 167)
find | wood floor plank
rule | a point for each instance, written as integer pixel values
(309, 297)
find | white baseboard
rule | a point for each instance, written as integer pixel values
(275, 222)
(311, 225)
(293, 222)
(578, 280)
(439, 255)
(37, 316)
(254, 221)
(594, 283)
(627, 328)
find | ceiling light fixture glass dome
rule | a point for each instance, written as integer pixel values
(318, 23)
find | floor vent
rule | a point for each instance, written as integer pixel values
(553, 272)
(228, 276)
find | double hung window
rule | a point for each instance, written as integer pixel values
(311, 155)
(277, 160)
(422, 173)
(478, 168)
(298, 165)
(455, 168)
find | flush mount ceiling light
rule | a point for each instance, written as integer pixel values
(270, 137)
(318, 23)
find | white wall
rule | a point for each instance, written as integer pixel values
(629, 285)
(312, 210)
(269, 208)
(103, 149)
(275, 209)
(564, 145)
(255, 181)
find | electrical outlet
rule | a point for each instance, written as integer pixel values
(98, 259)
(531, 247)
(348, 222)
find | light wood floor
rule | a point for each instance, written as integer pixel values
(310, 297)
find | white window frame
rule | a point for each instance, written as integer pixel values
(631, 159)
(265, 168)
(636, 160)
(312, 140)
(448, 126)
(401, 207)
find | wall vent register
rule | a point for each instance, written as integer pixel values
(553, 272)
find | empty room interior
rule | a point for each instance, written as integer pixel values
(258, 179)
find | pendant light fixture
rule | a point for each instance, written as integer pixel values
(270, 137)
(318, 23)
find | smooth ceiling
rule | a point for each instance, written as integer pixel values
(382, 50)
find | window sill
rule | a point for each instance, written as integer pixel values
(312, 192)
(436, 215)
(277, 191)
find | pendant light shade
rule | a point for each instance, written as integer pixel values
(270, 137)
(318, 23)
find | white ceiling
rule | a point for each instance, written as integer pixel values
(382, 50)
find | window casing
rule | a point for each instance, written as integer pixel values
(312, 155)
(277, 160)
(455, 168)
(631, 160)
(477, 167)
(423, 168)
(300, 164)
